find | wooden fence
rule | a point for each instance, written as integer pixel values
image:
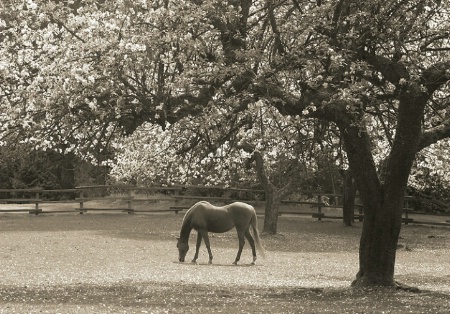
(178, 199)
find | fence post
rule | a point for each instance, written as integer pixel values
(36, 204)
(81, 201)
(360, 213)
(319, 207)
(130, 208)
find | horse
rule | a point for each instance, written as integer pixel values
(204, 217)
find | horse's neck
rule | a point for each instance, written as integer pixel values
(186, 228)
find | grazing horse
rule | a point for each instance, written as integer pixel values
(204, 218)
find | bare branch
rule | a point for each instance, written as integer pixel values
(436, 75)
(432, 39)
(259, 164)
(52, 18)
(393, 71)
(435, 134)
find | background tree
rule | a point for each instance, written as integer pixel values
(21, 167)
(198, 150)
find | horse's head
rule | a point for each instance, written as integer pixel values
(183, 248)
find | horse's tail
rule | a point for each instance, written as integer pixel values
(254, 223)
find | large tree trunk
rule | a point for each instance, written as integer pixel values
(349, 195)
(272, 196)
(271, 209)
(383, 196)
(378, 244)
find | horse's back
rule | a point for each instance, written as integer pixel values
(241, 207)
(220, 219)
(204, 215)
(233, 207)
(241, 213)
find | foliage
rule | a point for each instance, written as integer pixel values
(23, 167)
(430, 173)
(81, 72)
(198, 150)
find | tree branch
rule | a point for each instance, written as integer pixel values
(435, 134)
(278, 45)
(55, 20)
(432, 39)
(259, 161)
(436, 75)
(393, 71)
(291, 180)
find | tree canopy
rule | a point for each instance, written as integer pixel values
(77, 73)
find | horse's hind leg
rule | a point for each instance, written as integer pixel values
(252, 244)
(241, 246)
(197, 247)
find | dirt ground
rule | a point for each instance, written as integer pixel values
(121, 263)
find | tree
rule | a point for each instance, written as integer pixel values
(198, 150)
(273, 194)
(370, 70)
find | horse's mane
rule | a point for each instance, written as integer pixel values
(190, 209)
(187, 213)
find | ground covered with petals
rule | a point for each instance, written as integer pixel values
(120, 263)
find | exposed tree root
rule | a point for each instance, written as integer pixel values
(365, 283)
(400, 286)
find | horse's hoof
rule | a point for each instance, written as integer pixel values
(234, 263)
(253, 263)
(194, 262)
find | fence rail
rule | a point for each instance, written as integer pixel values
(314, 204)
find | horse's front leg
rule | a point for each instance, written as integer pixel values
(241, 246)
(197, 247)
(204, 235)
